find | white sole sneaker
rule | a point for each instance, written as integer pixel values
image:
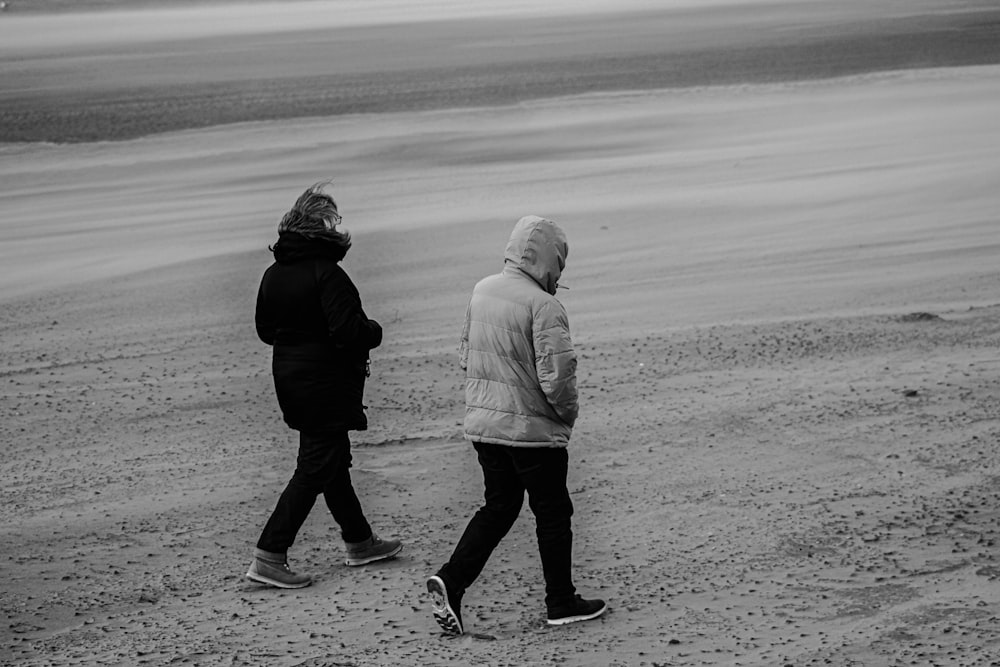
(445, 616)
(576, 619)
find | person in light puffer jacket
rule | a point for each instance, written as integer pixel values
(516, 348)
(521, 404)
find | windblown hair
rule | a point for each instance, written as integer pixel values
(313, 216)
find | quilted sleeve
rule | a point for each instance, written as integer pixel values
(555, 360)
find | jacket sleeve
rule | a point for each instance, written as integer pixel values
(555, 360)
(263, 318)
(347, 323)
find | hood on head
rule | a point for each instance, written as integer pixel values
(294, 247)
(538, 247)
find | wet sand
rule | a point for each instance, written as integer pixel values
(119, 76)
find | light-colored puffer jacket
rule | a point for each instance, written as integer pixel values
(520, 367)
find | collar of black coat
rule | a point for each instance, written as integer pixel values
(293, 247)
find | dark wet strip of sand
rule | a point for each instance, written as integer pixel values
(300, 75)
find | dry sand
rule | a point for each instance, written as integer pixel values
(785, 303)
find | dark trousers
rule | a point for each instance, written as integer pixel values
(508, 472)
(323, 466)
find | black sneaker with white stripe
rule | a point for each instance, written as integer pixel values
(575, 610)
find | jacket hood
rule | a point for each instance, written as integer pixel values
(293, 247)
(539, 249)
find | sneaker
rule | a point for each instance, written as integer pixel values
(371, 550)
(577, 609)
(272, 569)
(447, 608)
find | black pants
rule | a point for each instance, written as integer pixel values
(323, 466)
(508, 472)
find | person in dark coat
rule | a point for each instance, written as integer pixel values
(310, 312)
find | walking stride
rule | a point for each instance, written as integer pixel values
(521, 404)
(310, 312)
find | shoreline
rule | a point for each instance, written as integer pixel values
(304, 74)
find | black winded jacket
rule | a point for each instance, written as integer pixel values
(310, 311)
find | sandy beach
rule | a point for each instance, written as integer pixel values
(783, 290)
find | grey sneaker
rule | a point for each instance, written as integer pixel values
(272, 569)
(371, 550)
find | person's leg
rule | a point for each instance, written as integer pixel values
(339, 494)
(317, 460)
(543, 472)
(314, 464)
(363, 546)
(503, 497)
